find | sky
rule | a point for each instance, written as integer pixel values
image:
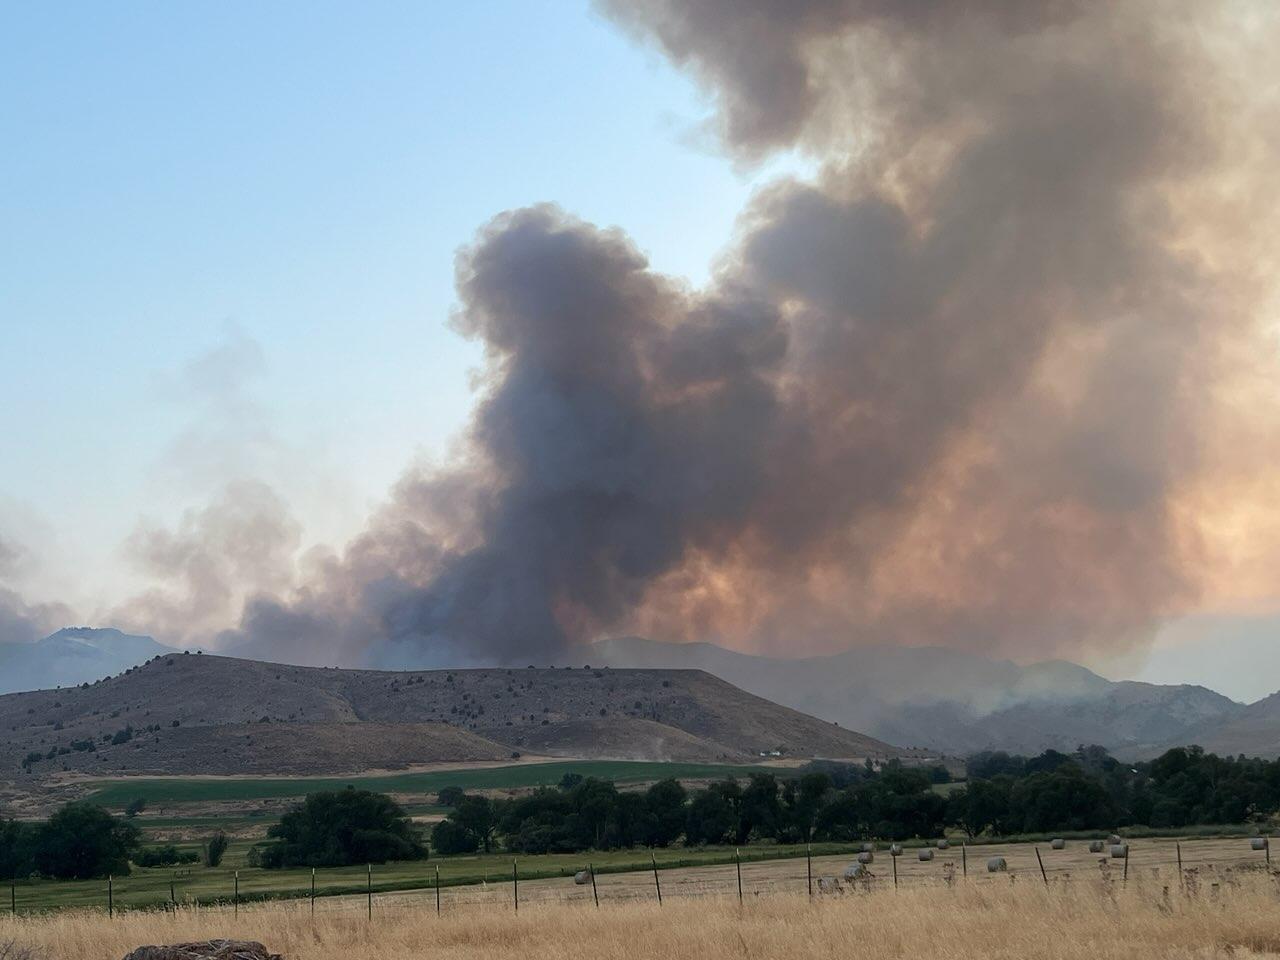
(285, 187)
(228, 248)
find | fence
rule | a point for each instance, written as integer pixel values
(1194, 861)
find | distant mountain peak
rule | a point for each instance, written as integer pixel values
(72, 656)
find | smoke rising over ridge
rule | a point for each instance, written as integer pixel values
(959, 389)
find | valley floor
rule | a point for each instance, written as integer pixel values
(1149, 917)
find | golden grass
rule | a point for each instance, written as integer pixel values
(1005, 919)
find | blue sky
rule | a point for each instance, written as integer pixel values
(228, 241)
(290, 181)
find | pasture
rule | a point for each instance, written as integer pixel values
(1147, 918)
(115, 794)
(766, 869)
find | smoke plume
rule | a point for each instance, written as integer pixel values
(960, 388)
(20, 621)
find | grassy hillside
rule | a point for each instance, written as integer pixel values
(191, 714)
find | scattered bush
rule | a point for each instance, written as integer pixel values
(165, 856)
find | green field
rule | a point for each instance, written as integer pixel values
(118, 793)
(151, 887)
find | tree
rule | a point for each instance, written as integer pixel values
(1065, 799)
(17, 849)
(447, 838)
(82, 841)
(340, 828)
(760, 810)
(450, 796)
(711, 817)
(476, 815)
(665, 800)
(981, 806)
(802, 798)
(215, 848)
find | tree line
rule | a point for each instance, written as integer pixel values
(82, 841)
(1004, 795)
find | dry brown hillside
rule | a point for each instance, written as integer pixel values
(217, 715)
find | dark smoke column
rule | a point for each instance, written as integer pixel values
(949, 392)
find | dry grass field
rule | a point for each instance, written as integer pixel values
(1097, 920)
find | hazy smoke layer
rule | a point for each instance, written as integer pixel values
(959, 389)
(22, 622)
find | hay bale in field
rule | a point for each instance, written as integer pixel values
(828, 885)
(1119, 851)
(925, 855)
(1096, 846)
(582, 877)
(856, 871)
(1059, 844)
(206, 950)
(866, 856)
(868, 848)
(997, 865)
(943, 844)
(895, 849)
(1258, 843)
(1115, 839)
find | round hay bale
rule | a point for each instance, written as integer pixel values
(1115, 839)
(997, 865)
(1258, 843)
(866, 856)
(895, 849)
(1059, 844)
(582, 877)
(1119, 851)
(925, 854)
(855, 871)
(1096, 846)
(868, 848)
(944, 844)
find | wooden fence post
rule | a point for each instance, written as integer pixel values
(656, 884)
(313, 892)
(594, 892)
(437, 889)
(235, 896)
(515, 886)
(1040, 860)
(808, 867)
(369, 889)
(737, 859)
(964, 859)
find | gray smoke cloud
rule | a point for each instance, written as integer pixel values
(21, 621)
(955, 390)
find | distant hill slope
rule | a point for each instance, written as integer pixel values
(72, 656)
(205, 714)
(954, 702)
(1253, 731)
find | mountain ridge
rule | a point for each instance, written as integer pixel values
(958, 703)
